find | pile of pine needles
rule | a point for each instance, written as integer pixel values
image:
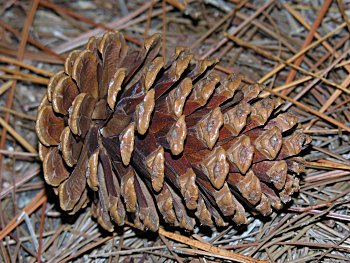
(299, 49)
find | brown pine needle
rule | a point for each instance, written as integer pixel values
(22, 75)
(302, 21)
(284, 62)
(311, 110)
(330, 101)
(332, 165)
(14, 77)
(289, 85)
(24, 65)
(217, 25)
(164, 26)
(88, 247)
(17, 136)
(209, 248)
(320, 131)
(41, 229)
(11, 94)
(308, 39)
(5, 87)
(166, 243)
(16, 113)
(238, 28)
(177, 4)
(343, 13)
(86, 20)
(81, 39)
(34, 204)
(31, 41)
(301, 52)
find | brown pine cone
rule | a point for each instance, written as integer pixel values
(148, 142)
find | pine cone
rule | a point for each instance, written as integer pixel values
(148, 142)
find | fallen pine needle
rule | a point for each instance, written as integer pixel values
(17, 136)
(37, 201)
(209, 248)
(27, 66)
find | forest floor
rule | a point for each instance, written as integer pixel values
(298, 49)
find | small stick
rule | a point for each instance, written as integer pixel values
(30, 55)
(329, 177)
(289, 85)
(18, 154)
